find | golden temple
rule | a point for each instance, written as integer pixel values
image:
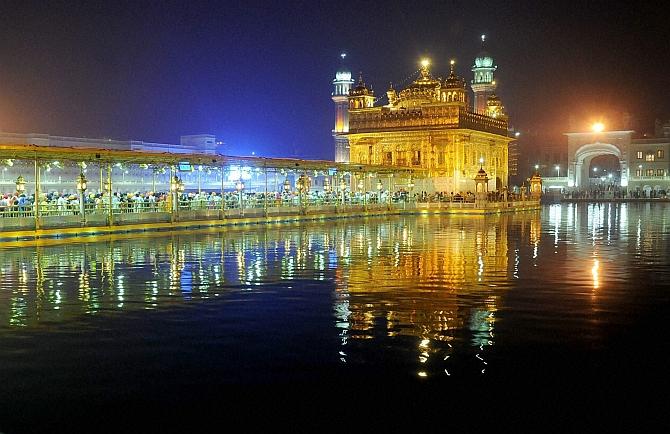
(431, 125)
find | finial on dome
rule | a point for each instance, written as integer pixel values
(483, 39)
(452, 63)
(360, 78)
(343, 55)
(425, 63)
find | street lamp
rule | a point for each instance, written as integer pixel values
(239, 186)
(410, 186)
(303, 186)
(81, 187)
(176, 187)
(287, 185)
(20, 185)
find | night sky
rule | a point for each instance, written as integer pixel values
(258, 74)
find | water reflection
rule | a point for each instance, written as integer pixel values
(429, 290)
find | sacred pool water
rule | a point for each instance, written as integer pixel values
(571, 292)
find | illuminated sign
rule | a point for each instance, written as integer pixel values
(184, 166)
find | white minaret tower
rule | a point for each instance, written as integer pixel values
(483, 84)
(342, 84)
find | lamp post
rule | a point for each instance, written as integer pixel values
(81, 187)
(176, 187)
(360, 186)
(20, 185)
(239, 186)
(410, 186)
(343, 188)
(303, 187)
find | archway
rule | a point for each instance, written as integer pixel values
(604, 172)
(580, 167)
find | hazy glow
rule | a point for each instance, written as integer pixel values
(425, 63)
(598, 127)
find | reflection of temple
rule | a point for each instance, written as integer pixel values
(445, 262)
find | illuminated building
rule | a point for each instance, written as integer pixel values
(608, 159)
(198, 143)
(431, 125)
(342, 84)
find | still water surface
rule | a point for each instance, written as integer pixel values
(570, 292)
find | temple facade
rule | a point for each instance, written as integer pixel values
(432, 124)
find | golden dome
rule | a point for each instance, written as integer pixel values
(361, 89)
(453, 81)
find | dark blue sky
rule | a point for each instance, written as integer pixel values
(257, 74)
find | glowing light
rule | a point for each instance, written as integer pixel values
(343, 55)
(236, 173)
(425, 63)
(595, 272)
(452, 62)
(517, 134)
(598, 127)
(483, 38)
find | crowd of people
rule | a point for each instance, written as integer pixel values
(465, 197)
(56, 203)
(64, 203)
(614, 192)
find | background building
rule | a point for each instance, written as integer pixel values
(198, 143)
(610, 160)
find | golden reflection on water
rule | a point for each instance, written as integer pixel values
(409, 272)
(434, 280)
